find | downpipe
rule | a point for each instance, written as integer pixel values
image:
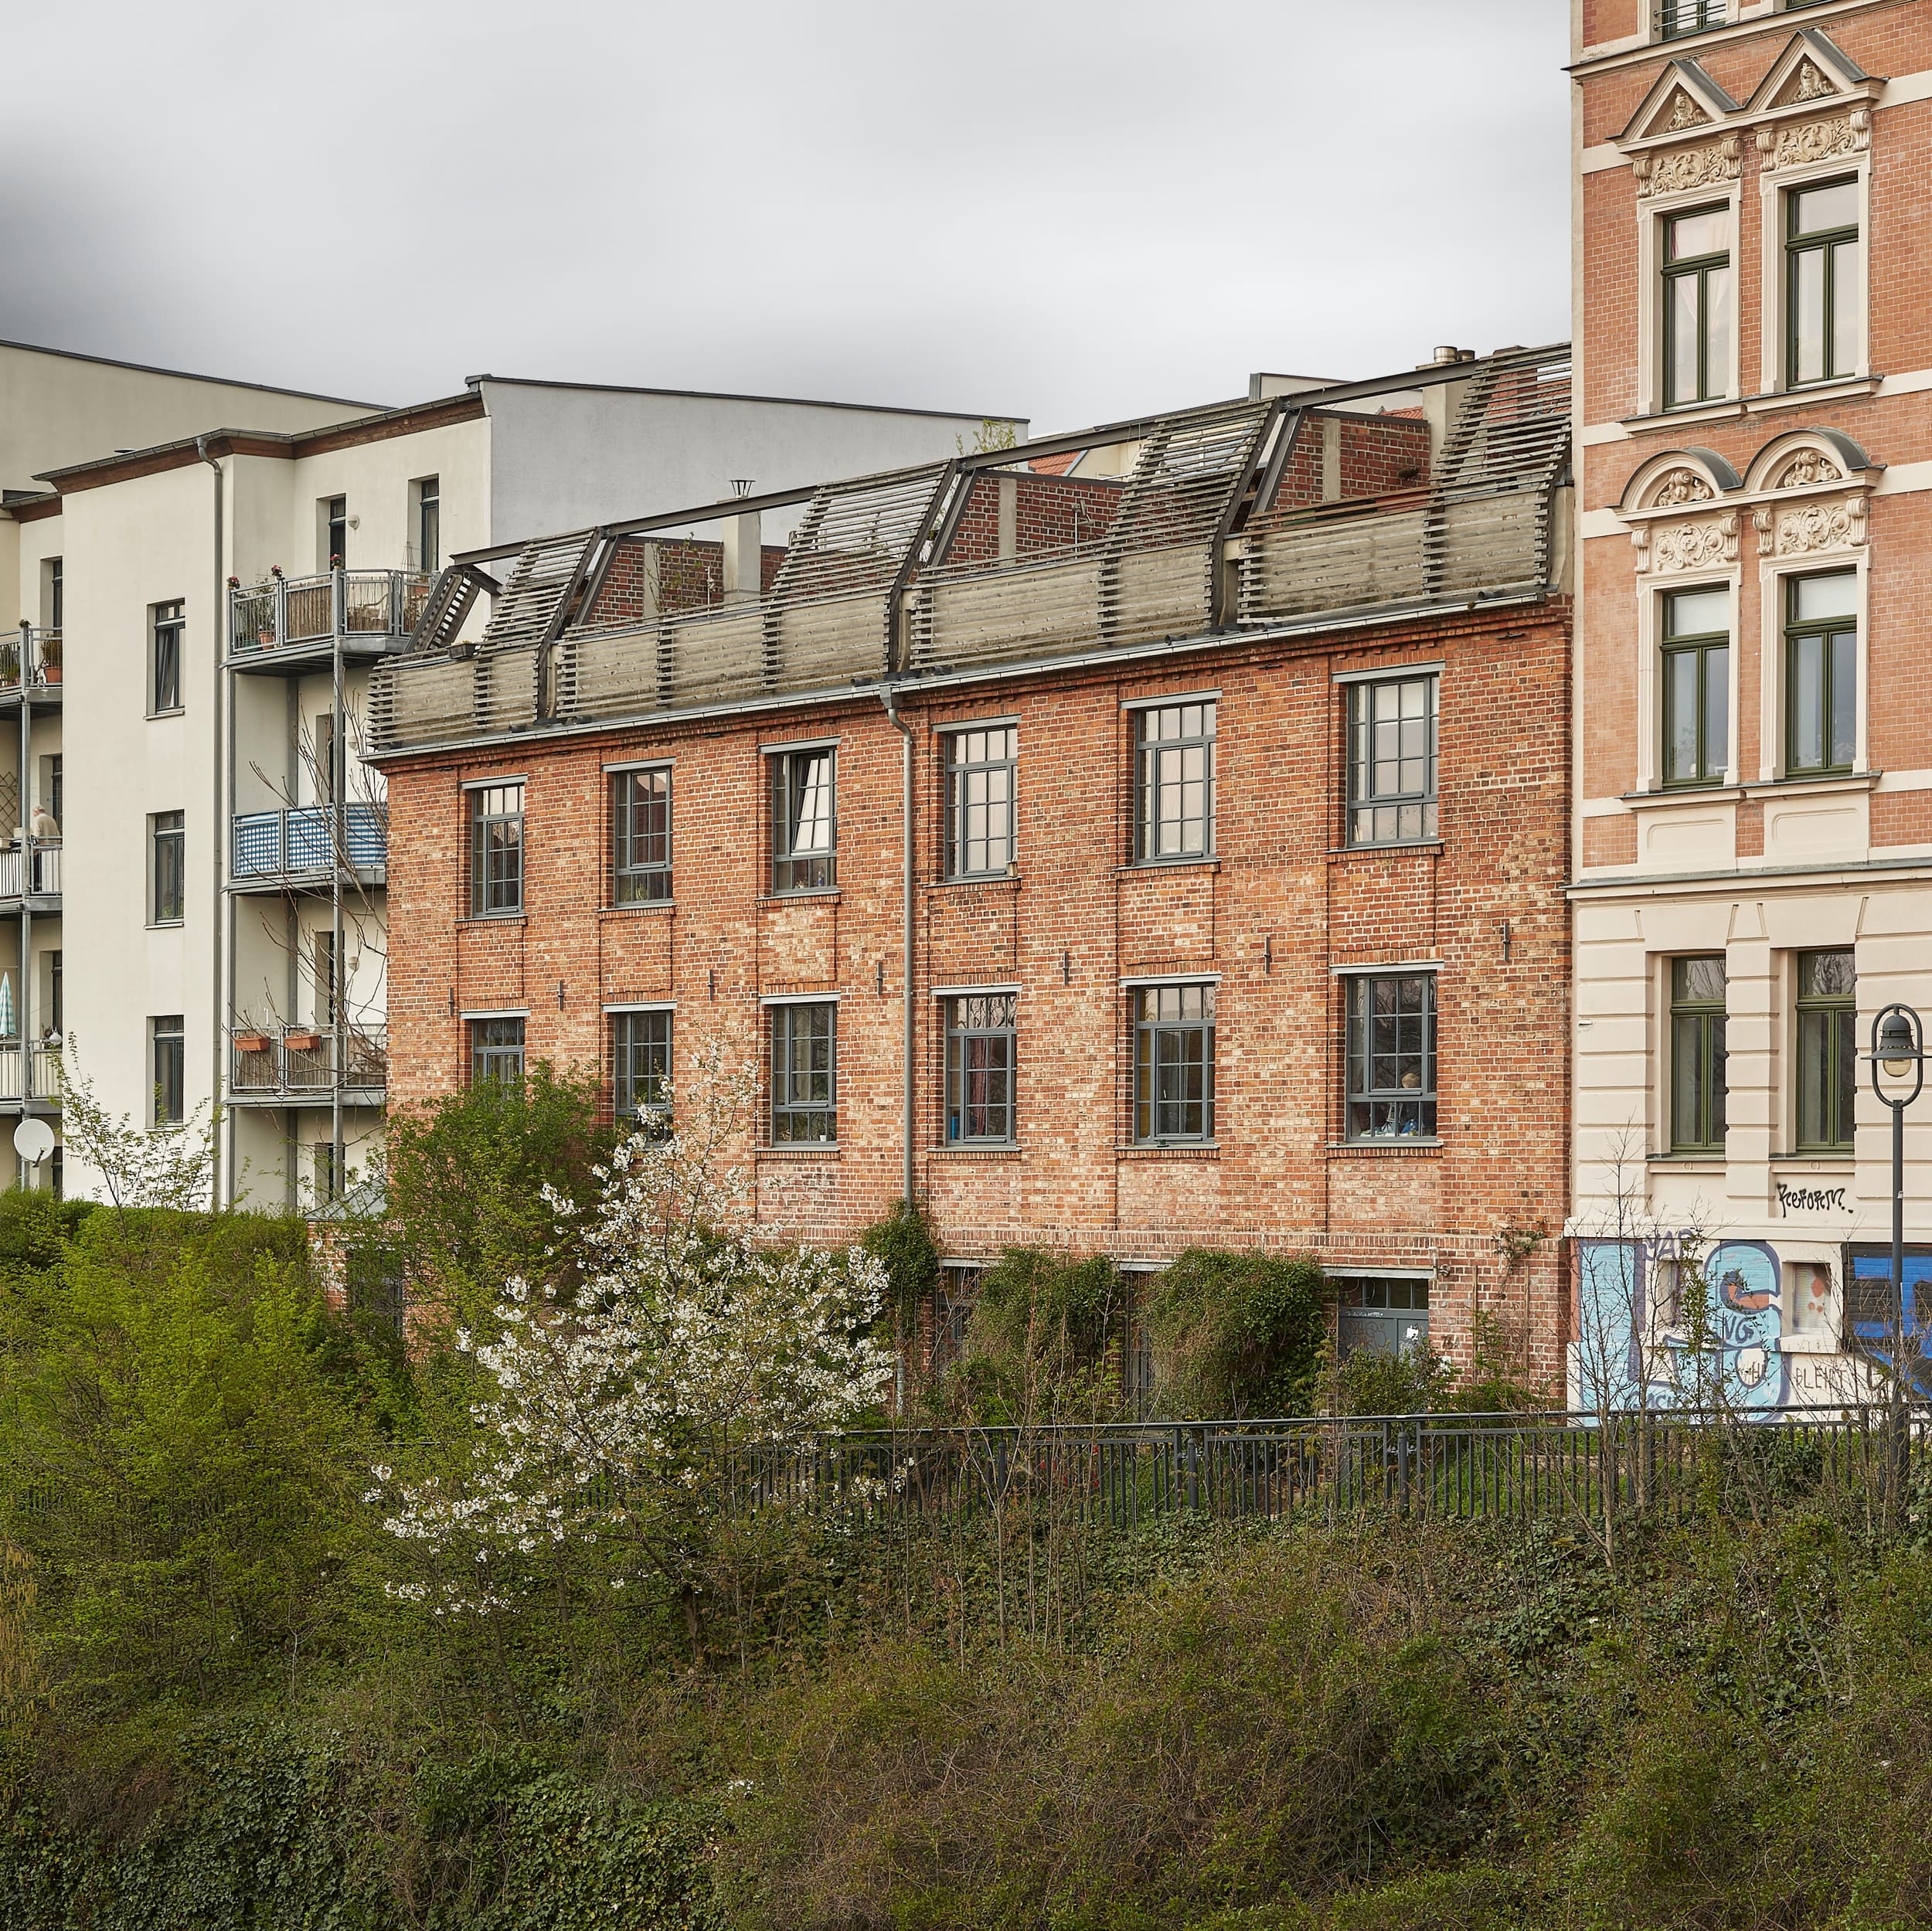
(888, 696)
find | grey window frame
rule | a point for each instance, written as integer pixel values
(429, 522)
(1154, 786)
(955, 1293)
(1677, 19)
(1698, 1034)
(1828, 633)
(56, 593)
(1366, 802)
(1834, 1106)
(1373, 1111)
(495, 1054)
(167, 1065)
(334, 533)
(166, 867)
(1000, 850)
(1701, 644)
(1372, 1310)
(1702, 268)
(167, 630)
(795, 1108)
(635, 880)
(794, 867)
(995, 1024)
(640, 1058)
(1168, 1047)
(1826, 242)
(492, 874)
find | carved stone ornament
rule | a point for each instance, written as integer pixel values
(1677, 486)
(1810, 140)
(1808, 83)
(1821, 526)
(1686, 112)
(1808, 467)
(1687, 546)
(1667, 174)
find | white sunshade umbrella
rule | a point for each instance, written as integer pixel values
(8, 1017)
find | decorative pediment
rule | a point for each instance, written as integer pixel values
(1810, 459)
(1669, 170)
(1796, 143)
(1684, 101)
(1697, 543)
(1677, 479)
(1826, 523)
(1810, 69)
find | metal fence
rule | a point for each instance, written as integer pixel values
(304, 1062)
(272, 844)
(37, 867)
(292, 612)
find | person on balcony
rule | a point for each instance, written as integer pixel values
(44, 826)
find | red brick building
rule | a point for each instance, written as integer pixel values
(1236, 747)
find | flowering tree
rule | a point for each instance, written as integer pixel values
(612, 1406)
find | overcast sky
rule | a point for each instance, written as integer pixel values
(1072, 209)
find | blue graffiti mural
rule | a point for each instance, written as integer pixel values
(1870, 1328)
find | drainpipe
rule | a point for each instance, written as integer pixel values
(222, 909)
(888, 696)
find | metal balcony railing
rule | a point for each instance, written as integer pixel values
(28, 1072)
(33, 651)
(302, 1063)
(1677, 18)
(299, 613)
(39, 864)
(271, 844)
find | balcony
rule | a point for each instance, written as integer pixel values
(29, 1077)
(277, 851)
(296, 1068)
(35, 653)
(290, 625)
(31, 874)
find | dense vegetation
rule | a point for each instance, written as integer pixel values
(225, 1708)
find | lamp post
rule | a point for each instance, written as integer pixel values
(1898, 1054)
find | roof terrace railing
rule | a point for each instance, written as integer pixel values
(301, 613)
(30, 657)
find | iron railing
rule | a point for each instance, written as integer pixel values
(28, 1072)
(289, 613)
(302, 1062)
(36, 865)
(35, 653)
(1677, 18)
(277, 844)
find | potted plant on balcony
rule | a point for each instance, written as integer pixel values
(50, 660)
(301, 1038)
(247, 1039)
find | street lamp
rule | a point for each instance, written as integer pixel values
(1898, 1052)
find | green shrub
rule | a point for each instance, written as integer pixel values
(1042, 1334)
(903, 1244)
(1237, 1334)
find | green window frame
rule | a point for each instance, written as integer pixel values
(1698, 300)
(1697, 1054)
(1821, 334)
(1827, 1051)
(1820, 674)
(1696, 676)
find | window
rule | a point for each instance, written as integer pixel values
(1697, 307)
(1137, 1376)
(373, 1273)
(163, 687)
(640, 1064)
(804, 1089)
(326, 758)
(325, 987)
(1173, 1063)
(953, 1300)
(53, 604)
(1697, 686)
(496, 1050)
(322, 1161)
(1827, 1051)
(496, 850)
(51, 788)
(640, 836)
(56, 1005)
(1821, 331)
(1392, 1056)
(1677, 18)
(1382, 1315)
(167, 859)
(334, 533)
(1173, 782)
(981, 767)
(168, 1063)
(980, 1062)
(804, 821)
(1697, 1054)
(1392, 760)
(429, 523)
(1821, 673)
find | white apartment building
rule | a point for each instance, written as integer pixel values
(194, 891)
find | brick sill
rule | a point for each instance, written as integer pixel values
(985, 882)
(825, 1150)
(975, 1153)
(643, 910)
(1395, 1149)
(1408, 847)
(819, 895)
(1149, 867)
(1187, 1150)
(486, 918)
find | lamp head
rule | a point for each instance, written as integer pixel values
(1896, 1050)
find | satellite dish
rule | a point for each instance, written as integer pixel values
(33, 1141)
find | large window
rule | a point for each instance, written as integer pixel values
(1392, 1056)
(1697, 307)
(429, 523)
(640, 1064)
(1174, 782)
(164, 686)
(496, 850)
(334, 533)
(1677, 18)
(166, 865)
(1381, 1314)
(496, 1050)
(957, 1290)
(1697, 686)
(640, 836)
(1822, 328)
(804, 819)
(1697, 1076)
(980, 1065)
(980, 770)
(804, 1075)
(1821, 673)
(1827, 1051)
(167, 1047)
(1392, 760)
(1173, 1063)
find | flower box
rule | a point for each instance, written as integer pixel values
(301, 1042)
(251, 1042)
